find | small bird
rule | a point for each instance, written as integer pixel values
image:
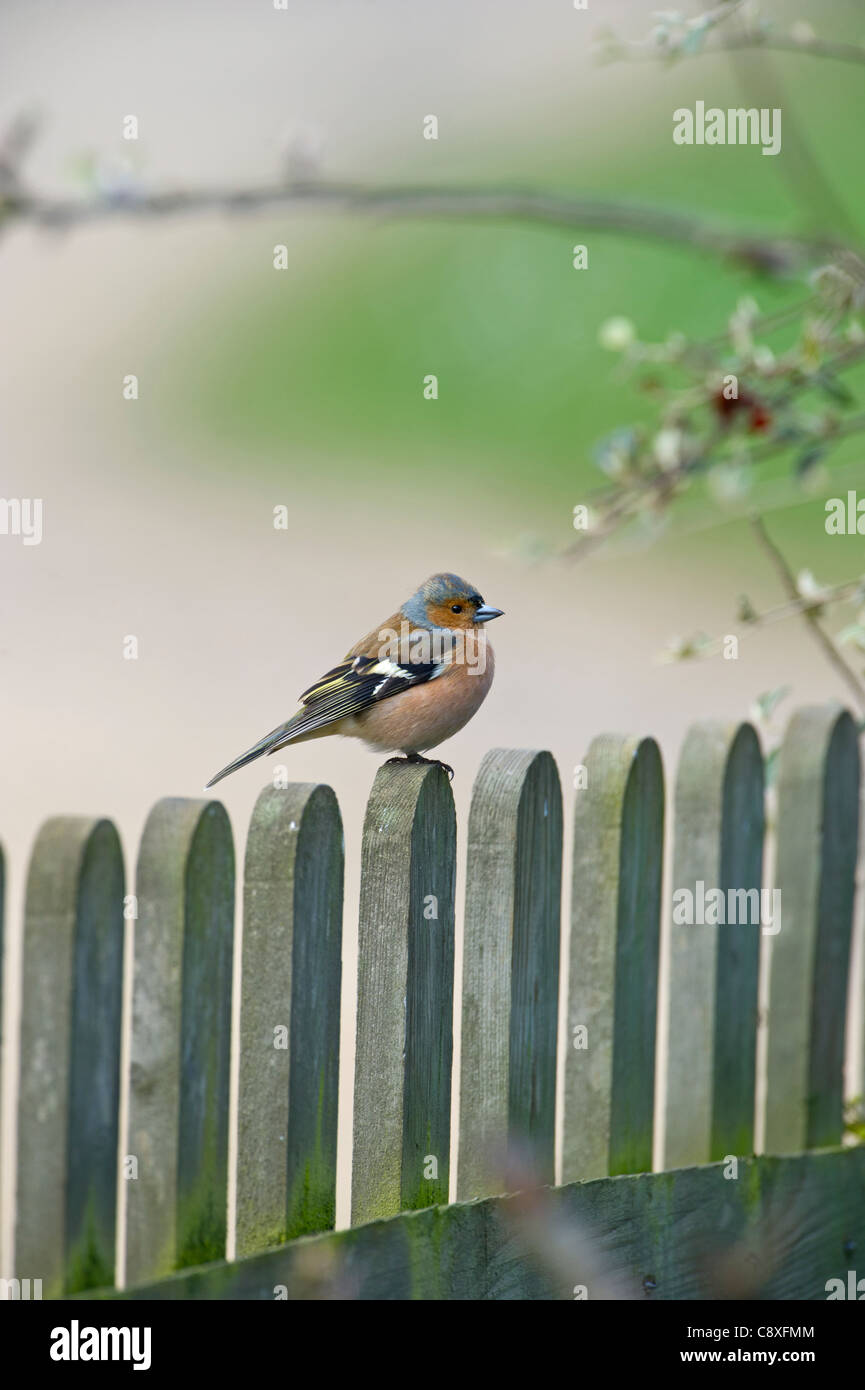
(411, 683)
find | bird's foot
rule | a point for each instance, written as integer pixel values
(428, 762)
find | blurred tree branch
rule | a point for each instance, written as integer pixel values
(793, 42)
(675, 36)
(772, 255)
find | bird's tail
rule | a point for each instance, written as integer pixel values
(277, 738)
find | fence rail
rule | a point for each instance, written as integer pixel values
(797, 1218)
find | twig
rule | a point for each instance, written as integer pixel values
(843, 429)
(808, 613)
(777, 255)
(793, 608)
(766, 323)
(672, 45)
(787, 43)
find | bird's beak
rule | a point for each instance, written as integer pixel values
(485, 614)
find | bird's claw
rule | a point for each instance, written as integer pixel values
(427, 762)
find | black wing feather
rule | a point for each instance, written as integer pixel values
(348, 688)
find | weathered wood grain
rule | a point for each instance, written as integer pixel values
(818, 824)
(613, 985)
(180, 1045)
(402, 1088)
(780, 1230)
(714, 967)
(69, 1077)
(775, 1226)
(510, 970)
(289, 1017)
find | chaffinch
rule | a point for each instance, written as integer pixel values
(411, 683)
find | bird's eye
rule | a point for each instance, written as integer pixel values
(456, 608)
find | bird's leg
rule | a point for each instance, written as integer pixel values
(428, 762)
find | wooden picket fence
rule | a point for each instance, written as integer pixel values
(797, 1212)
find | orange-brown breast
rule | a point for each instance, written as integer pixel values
(424, 716)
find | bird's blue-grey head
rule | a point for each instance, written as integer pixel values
(446, 601)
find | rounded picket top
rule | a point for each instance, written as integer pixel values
(69, 1077)
(714, 964)
(402, 1085)
(615, 944)
(818, 830)
(289, 1016)
(180, 1045)
(510, 970)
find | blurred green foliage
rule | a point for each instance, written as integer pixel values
(327, 361)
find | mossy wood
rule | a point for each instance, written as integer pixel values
(402, 1089)
(714, 964)
(614, 946)
(781, 1230)
(69, 1074)
(818, 828)
(779, 1226)
(177, 1140)
(510, 990)
(289, 1017)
